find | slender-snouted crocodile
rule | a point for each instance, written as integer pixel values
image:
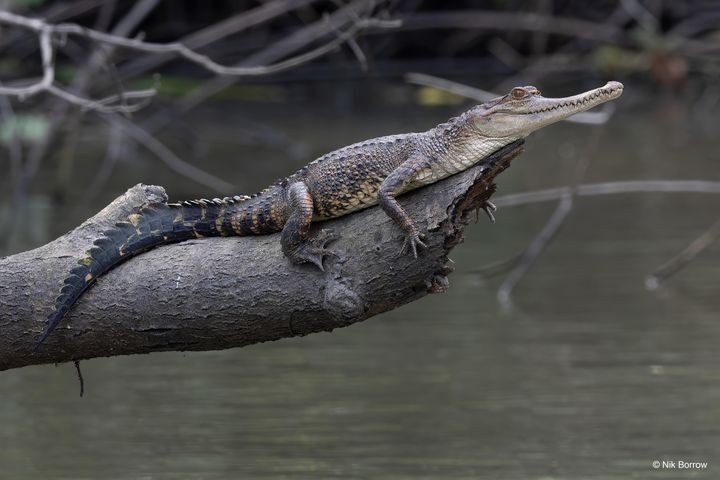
(352, 178)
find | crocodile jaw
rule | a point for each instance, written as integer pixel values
(514, 118)
(543, 111)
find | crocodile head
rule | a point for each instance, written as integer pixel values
(523, 110)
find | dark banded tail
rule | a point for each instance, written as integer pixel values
(154, 225)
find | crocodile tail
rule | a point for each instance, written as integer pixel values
(154, 225)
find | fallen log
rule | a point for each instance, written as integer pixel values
(217, 293)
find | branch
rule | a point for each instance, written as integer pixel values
(682, 259)
(48, 84)
(218, 293)
(166, 155)
(525, 260)
(508, 21)
(288, 45)
(549, 230)
(45, 31)
(60, 112)
(592, 118)
(217, 31)
(653, 280)
(533, 22)
(611, 188)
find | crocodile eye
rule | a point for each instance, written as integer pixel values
(518, 93)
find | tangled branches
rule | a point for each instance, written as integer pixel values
(50, 35)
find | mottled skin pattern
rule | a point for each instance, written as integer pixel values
(372, 172)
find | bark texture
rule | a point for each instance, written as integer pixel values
(218, 293)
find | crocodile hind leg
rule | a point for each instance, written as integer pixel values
(296, 242)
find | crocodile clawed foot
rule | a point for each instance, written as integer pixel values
(489, 207)
(314, 249)
(412, 242)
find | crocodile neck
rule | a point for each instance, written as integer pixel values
(458, 142)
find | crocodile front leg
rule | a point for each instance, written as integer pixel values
(396, 183)
(296, 242)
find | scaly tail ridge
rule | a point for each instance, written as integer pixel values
(154, 225)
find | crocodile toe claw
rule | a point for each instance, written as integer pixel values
(314, 249)
(489, 208)
(412, 242)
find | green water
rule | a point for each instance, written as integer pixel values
(588, 376)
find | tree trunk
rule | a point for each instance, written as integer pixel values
(218, 293)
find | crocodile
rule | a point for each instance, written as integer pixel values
(355, 177)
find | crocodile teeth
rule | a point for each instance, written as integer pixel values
(583, 101)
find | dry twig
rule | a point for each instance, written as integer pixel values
(591, 118)
(551, 228)
(614, 188)
(167, 156)
(288, 45)
(46, 32)
(215, 32)
(534, 22)
(681, 260)
(611, 188)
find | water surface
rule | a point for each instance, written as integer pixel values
(587, 376)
